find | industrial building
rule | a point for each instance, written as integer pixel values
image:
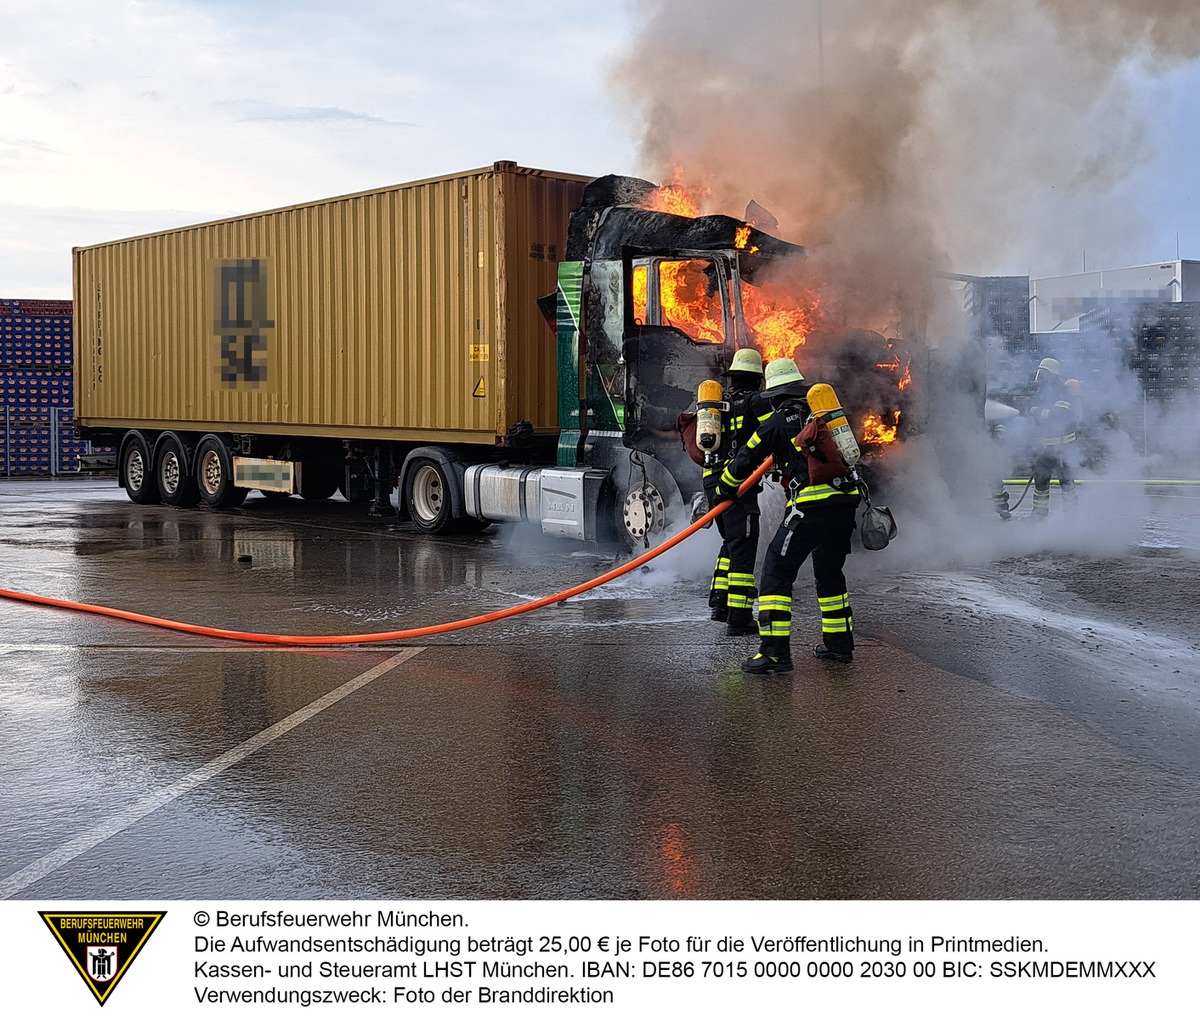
(1131, 336)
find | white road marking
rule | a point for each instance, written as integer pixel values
(81, 844)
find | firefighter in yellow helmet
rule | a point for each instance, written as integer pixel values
(1054, 421)
(731, 594)
(819, 520)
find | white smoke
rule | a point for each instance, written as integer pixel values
(896, 139)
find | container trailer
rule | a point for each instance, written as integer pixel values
(493, 345)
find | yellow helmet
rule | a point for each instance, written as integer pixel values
(1049, 366)
(746, 359)
(783, 379)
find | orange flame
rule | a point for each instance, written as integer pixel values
(903, 371)
(780, 325)
(676, 197)
(641, 288)
(874, 431)
(686, 303)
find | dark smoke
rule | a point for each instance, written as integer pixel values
(893, 138)
(896, 139)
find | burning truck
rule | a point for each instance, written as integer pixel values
(390, 341)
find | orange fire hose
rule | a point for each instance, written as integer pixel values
(395, 635)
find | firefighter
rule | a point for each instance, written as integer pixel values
(731, 594)
(1053, 418)
(819, 520)
(999, 433)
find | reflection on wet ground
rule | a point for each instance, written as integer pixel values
(610, 747)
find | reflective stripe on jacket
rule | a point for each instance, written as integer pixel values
(775, 437)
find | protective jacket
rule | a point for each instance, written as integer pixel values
(1053, 414)
(779, 437)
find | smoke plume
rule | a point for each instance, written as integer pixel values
(898, 137)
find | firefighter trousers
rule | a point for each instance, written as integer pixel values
(1053, 462)
(732, 584)
(824, 532)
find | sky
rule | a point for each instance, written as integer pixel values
(123, 117)
(992, 137)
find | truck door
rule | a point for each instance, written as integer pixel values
(682, 324)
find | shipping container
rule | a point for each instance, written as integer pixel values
(404, 313)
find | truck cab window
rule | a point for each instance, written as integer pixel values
(682, 293)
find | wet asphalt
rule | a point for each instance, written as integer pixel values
(607, 748)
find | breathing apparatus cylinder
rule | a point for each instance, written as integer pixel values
(825, 405)
(708, 415)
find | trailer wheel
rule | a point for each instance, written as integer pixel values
(427, 494)
(175, 483)
(137, 470)
(214, 475)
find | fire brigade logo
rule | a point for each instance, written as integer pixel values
(102, 946)
(101, 963)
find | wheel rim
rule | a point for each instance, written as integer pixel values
(211, 474)
(428, 493)
(170, 472)
(135, 470)
(644, 512)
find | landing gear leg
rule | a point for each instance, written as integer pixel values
(381, 505)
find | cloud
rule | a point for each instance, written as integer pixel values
(250, 112)
(233, 106)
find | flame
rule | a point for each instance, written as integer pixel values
(641, 286)
(903, 371)
(741, 239)
(780, 321)
(874, 431)
(780, 324)
(677, 197)
(686, 303)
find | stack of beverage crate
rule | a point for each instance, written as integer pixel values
(37, 435)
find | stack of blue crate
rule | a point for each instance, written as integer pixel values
(37, 435)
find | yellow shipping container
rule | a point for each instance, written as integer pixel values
(403, 313)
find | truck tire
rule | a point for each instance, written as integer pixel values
(137, 470)
(214, 475)
(176, 484)
(427, 496)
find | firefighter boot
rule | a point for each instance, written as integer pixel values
(741, 623)
(836, 648)
(717, 603)
(774, 655)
